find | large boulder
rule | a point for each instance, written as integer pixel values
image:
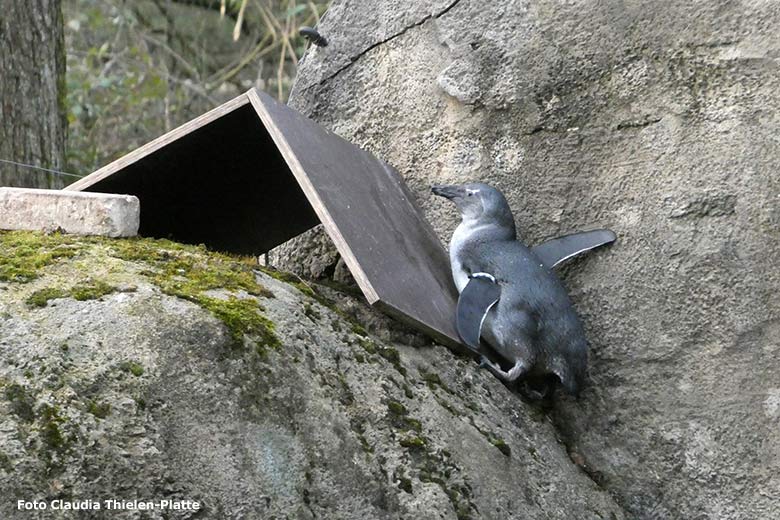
(146, 370)
(656, 119)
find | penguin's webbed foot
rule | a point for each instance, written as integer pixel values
(514, 373)
(493, 368)
(538, 392)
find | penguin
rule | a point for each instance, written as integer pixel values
(509, 294)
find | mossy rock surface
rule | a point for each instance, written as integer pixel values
(146, 368)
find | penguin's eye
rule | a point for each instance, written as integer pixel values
(470, 194)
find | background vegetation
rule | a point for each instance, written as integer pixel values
(136, 69)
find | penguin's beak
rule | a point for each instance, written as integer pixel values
(448, 191)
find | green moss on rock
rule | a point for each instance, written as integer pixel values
(404, 482)
(186, 269)
(438, 469)
(447, 406)
(21, 402)
(394, 357)
(23, 254)
(5, 463)
(368, 345)
(188, 272)
(87, 290)
(180, 270)
(347, 397)
(389, 353)
(41, 297)
(396, 408)
(311, 312)
(502, 446)
(310, 291)
(91, 290)
(413, 424)
(99, 410)
(413, 441)
(433, 381)
(51, 434)
(291, 279)
(358, 329)
(242, 317)
(399, 417)
(133, 367)
(493, 439)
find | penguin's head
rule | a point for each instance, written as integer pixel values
(477, 201)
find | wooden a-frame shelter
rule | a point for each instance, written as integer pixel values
(253, 173)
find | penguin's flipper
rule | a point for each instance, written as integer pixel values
(555, 251)
(476, 299)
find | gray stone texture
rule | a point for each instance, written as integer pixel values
(79, 213)
(142, 395)
(656, 119)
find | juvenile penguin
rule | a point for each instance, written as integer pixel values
(509, 295)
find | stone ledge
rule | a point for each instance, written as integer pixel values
(79, 213)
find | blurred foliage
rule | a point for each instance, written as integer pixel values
(139, 68)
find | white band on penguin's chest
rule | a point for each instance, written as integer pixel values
(487, 276)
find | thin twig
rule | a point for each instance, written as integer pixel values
(239, 21)
(175, 55)
(260, 50)
(315, 11)
(280, 73)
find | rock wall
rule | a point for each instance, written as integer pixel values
(656, 119)
(136, 369)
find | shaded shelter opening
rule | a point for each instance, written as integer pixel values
(224, 184)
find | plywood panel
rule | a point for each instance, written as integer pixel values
(388, 246)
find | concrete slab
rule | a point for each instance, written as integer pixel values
(79, 213)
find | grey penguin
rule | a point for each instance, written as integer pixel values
(509, 295)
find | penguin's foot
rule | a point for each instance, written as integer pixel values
(513, 374)
(538, 393)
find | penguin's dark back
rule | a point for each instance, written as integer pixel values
(536, 288)
(528, 280)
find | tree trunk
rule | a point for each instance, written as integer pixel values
(32, 91)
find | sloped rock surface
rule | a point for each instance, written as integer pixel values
(656, 119)
(144, 390)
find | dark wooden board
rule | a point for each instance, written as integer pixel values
(389, 247)
(242, 183)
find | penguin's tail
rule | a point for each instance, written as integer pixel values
(572, 372)
(572, 385)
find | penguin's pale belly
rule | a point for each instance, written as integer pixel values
(462, 233)
(460, 276)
